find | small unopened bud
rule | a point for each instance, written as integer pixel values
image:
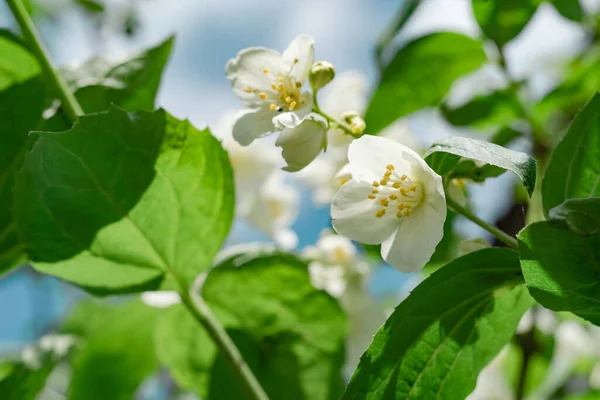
(355, 122)
(321, 73)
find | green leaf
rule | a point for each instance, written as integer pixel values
(20, 110)
(131, 85)
(17, 64)
(91, 6)
(116, 353)
(570, 9)
(498, 108)
(468, 169)
(504, 136)
(437, 341)
(561, 266)
(407, 86)
(581, 215)
(291, 334)
(521, 164)
(503, 20)
(574, 167)
(123, 201)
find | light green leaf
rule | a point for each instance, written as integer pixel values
(581, 215)
(291, 334)
(123, 201)
(521, 164)
(20, 110)
(561, 267)
(406, 86)
(99, 83)
(570, 9)
(116, 352)
(503, 20)
(498, 108)
(17, 64)
(437, 340)
(574, 167)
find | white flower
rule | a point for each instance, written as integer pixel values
(160, 299)
(393, 198)
(273, 209)
(270, 84)
(326, 174)
(302, 144)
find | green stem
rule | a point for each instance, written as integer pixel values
(203, 314)
(501, 235)
(330, 119)
(69, 103)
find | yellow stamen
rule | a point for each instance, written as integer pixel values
(266, 70)
(279, 88)
(375, 183)
(387, 173)
(404, 192)
(390, 167)
(393, 196)
(407, 213)
(384, 202)
(292, 105)
(375, 191)
(288, 99)
(273, 107)
(399, 214)
(372, 197)
(247, 90)
(396, 185)
(413, 188)
(280, 79)
(383, 181)
(401, 206)
(273, 86)
(298, 85)
(404, 177)
(380, 213)
(262, 95)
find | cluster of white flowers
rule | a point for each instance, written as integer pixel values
(381, 191)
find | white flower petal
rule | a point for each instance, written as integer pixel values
(253, 123)
(292, 119)
(301, 144)
(369, 156)
(413, 244)
(347, 92)
(300, 56)
(286, 239)
(247, 71)
(421, 172)
(353, 214)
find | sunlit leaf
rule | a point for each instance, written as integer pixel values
(574, 167)
(291, 334)
(17, 64)
(503, 20)
(437, 340)
(498, 108)
(407, 85)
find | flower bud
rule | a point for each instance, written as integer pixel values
(355, 122)
(321, 73)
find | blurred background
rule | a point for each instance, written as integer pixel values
(209, 32)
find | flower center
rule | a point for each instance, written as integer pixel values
(396, 194)
(284, 92)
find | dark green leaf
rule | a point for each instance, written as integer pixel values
(407, 86)
(561, 267)
(581, 215)
(20, 110)
(569, 9)
(468, 169)
(116, 353)
(574, 168)
(17, 64)
(122, 199)
(291, 334)
(521, 164)
(498, 108)
(91, 6)
(437, 341)
(503, 20)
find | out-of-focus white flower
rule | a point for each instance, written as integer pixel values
(492, 383)
(336, 268)
(545, 321)
(456, 191)
(347, 93)
(160, 299)
(471, 245)
(273, 209)
(51, 345)
(270, 85)
(394, 198)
